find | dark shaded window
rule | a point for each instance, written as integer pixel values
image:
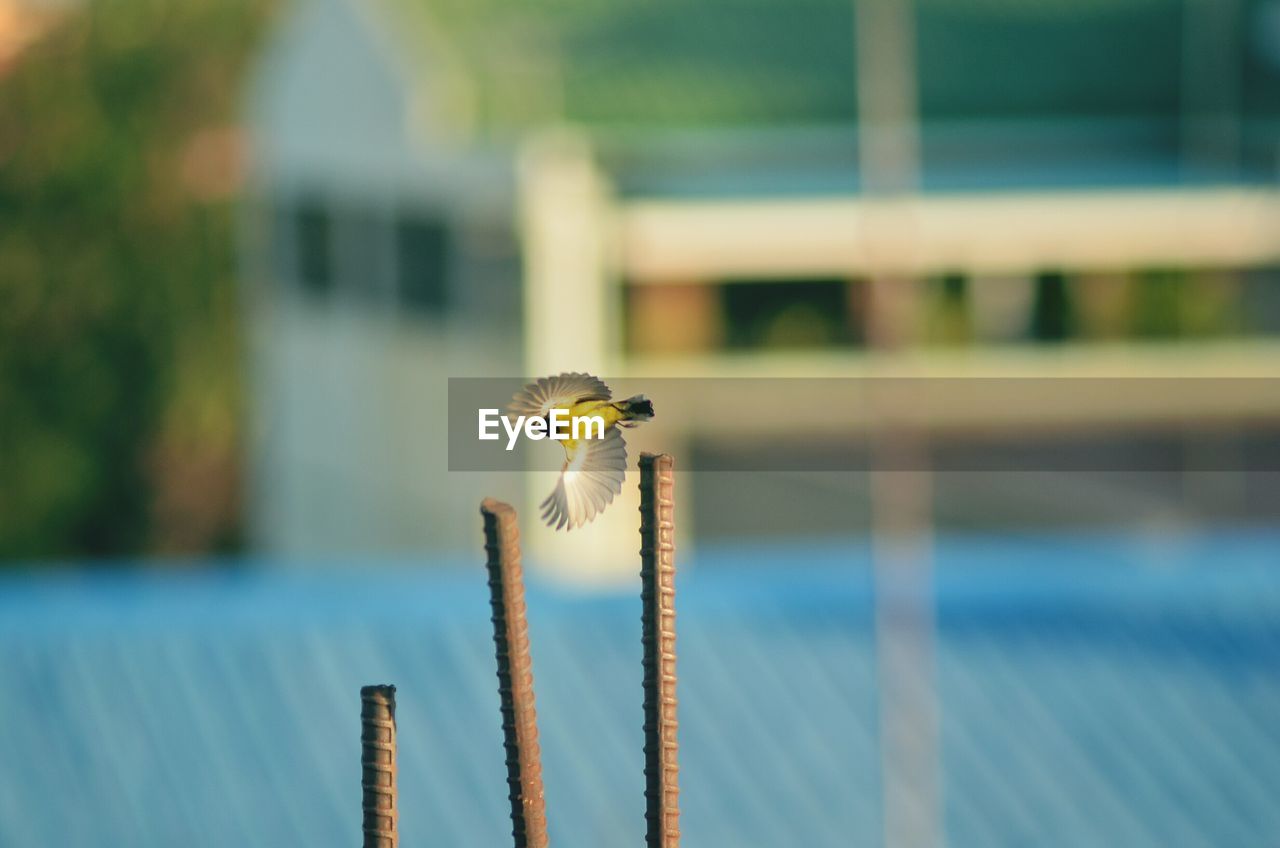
(1052, 319)
(955, 290)
(786, 314)
(315, 254)
(422, 249)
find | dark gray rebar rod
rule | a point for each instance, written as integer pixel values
(658, 623)
(515, 675)
(378, 766)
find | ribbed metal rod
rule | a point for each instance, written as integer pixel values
(658, 624)
(515, 675)
(378, 766)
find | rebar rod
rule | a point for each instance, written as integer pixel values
(378, 766)
(515, 675)
(658, 623)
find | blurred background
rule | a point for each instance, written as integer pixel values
(245, 244)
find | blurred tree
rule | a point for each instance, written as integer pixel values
(1180, 303)
(1212, 305)
(119, 355)
(1157, 304)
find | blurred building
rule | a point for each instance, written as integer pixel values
(380, 261)
(1088, 190)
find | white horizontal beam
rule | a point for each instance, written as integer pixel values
(1052, 388)
(996, 234)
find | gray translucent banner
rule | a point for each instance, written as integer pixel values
(910, 423)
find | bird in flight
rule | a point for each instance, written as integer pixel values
(595, 464)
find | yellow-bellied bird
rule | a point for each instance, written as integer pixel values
(595, 462)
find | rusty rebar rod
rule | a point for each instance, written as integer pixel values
(658, 623)
(515, 675)
(378, 766)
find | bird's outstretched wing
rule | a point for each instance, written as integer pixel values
(563, 390)
(591, 476)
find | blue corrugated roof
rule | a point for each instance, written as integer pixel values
(1091, 691)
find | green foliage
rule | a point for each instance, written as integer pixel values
(119, 383)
